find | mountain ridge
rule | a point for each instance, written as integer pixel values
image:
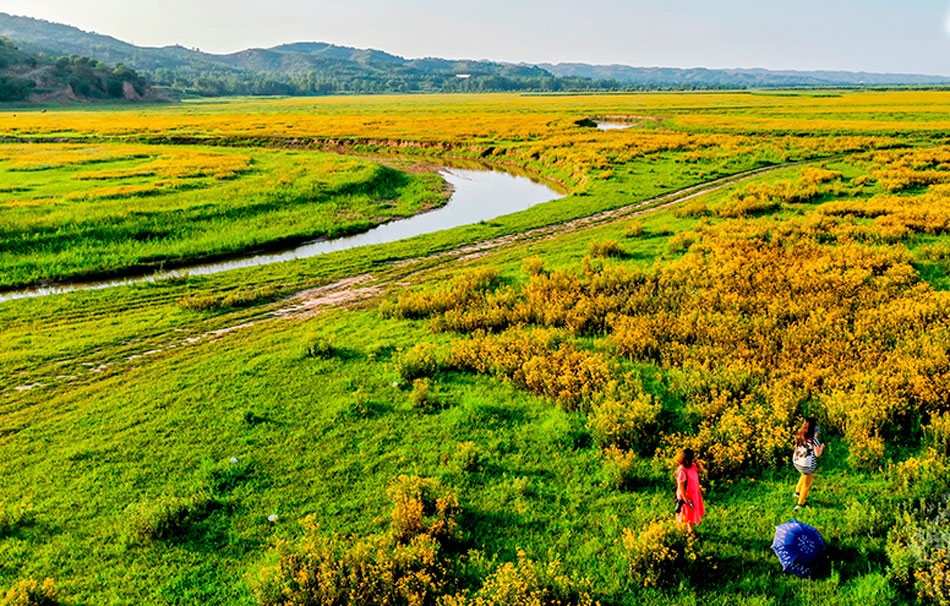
(310, 67)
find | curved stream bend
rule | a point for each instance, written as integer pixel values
(479, 195)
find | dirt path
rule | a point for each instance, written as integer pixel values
(359, 290)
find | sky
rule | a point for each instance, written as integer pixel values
(857, 35)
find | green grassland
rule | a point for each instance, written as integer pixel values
(135, 398)
(80, 218)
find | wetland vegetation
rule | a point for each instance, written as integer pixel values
(484, 415)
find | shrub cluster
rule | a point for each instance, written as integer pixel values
(757, 323)
(660, 553)
(541, 363)
(606, 249)
(422, 507)
(420, 361)
(423, 396)
(528, 583)
(320, 347)
(323, 570)
(918, 548)
(403, 567)
(937, 434)
(899, 170)
(30, 592)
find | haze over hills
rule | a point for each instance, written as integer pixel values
(319, 68)
(734, 78)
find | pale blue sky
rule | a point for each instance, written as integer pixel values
(871, 35)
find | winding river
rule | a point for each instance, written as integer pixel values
(478, 195)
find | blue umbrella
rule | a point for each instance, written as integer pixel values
(797, 546)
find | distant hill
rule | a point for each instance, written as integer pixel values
(26, 77)
(305, 68)
(298, 68)
(698, 77)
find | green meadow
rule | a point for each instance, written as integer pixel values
(265, 435)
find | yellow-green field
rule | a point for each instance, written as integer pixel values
(486, 415)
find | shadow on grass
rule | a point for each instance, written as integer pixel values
(211, 533)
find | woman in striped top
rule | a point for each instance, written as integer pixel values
(805, 459)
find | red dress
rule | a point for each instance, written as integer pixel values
(693, 495)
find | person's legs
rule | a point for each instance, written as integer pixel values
(798, 487)
(804, 486)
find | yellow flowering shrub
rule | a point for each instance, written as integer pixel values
(405, 567)
(619, 468)
(422, 507)
(624, 415)
(606, 248)
(757, 319)
(529, 583)
(321, 570)
(30, 592)
(661, 553)
(938, 434)
(540, 362)
(421, 360)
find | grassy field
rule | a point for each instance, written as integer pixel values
(542, 382)
(76, 211)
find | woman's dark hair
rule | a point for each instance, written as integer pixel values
(686, 458)
(807, 433)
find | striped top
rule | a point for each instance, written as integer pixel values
(804, 458)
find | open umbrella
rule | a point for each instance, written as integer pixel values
(797, 546)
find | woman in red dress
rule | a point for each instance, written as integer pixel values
(689, 497)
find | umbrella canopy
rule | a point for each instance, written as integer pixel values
(797, 546)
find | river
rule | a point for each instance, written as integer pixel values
(478, 195)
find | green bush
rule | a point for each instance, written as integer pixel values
(866, 518)
(619, 468)
(634, 229)
(320, 347)
(467, 457)
(606, 248)
(937, 434)
(423, 396)
(918, 549)
(422, 360)
(357, 406)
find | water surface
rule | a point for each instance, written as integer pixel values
(612, 125)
